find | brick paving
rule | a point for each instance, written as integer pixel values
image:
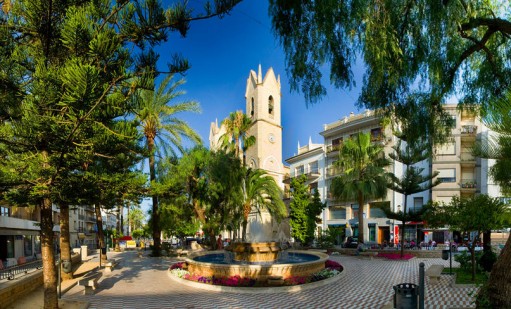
(144, 283)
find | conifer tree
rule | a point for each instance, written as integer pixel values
(67, 69)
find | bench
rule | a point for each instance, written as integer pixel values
(90, 282)
(109, 266)
(434, 272)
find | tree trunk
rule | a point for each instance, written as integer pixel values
(101, 237)
(403, 226)
(487, 241)
(47, 248)
(360, 218)
(499, 284)
(244, 232)
(473, 258)
(155, 212)
(65, 247)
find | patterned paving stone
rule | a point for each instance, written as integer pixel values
(144, 283)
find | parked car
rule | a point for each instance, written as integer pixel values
(351, 243)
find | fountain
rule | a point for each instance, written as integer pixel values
(257, 259)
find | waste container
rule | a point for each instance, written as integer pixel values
(103, 250)
(405, 296)
(66, 266)
(445, 254)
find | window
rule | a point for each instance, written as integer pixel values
(4, 211)
(252, 108)
(313, 187)
(447, 175)
(417, 203)
(337, 214)
(337, 141)
(270, 106)
(313, 167)
(372, 231)
(376, 135)
(299, 170)
(27, 242)
(354, 211)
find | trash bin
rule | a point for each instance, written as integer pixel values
(405, 296)
(445, 254)
(66, 266)
(103, 250)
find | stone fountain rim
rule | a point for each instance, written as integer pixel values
(257, 290)
(322, 258)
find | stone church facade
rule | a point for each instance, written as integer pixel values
(263, 106)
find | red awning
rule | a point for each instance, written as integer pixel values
(415, 222)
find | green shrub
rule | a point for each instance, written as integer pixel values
(486, 260)
(465, 259)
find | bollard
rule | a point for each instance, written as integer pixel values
(421, 285)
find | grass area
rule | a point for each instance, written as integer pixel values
(464, 276)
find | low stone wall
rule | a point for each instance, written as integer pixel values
(437, 253)
(11, 291)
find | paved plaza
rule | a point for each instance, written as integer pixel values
(143, 282)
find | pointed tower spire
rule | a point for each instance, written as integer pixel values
(259, 75)
(278, 79)
(310, 141)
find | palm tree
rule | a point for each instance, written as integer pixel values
(363, 175)
(236, 136)
(261, 192)
(163, 132)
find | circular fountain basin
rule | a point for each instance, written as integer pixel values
(297, 263)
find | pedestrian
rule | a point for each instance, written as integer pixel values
(219, 243)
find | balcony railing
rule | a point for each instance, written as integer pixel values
(332, 148)
(468, 183)
(332, 171)
(469, 129)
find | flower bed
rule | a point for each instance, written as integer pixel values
(395, 256)
(332, 269)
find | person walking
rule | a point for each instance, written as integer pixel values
(219, 243)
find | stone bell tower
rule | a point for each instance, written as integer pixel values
(262, 98)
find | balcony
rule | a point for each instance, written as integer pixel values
(333, 149)
(467, 159)
(468, 132)
(313, 174)
(332, 171)
(468, 185)
(18, 224)
(90, 219)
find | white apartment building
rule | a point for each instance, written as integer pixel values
(20, 232)
(460, 172)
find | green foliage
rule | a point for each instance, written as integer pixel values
(363, 176)
(138, 233)
(298, 214)
(465, 260)
(415, 53)
(261, 191)
(486, 260)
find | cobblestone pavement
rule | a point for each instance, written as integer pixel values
(144, 283)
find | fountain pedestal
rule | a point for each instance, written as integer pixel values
(255, 252)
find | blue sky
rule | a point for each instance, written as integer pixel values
(223, 51)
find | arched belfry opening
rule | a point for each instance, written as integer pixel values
(252, 108)
(271, 108)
